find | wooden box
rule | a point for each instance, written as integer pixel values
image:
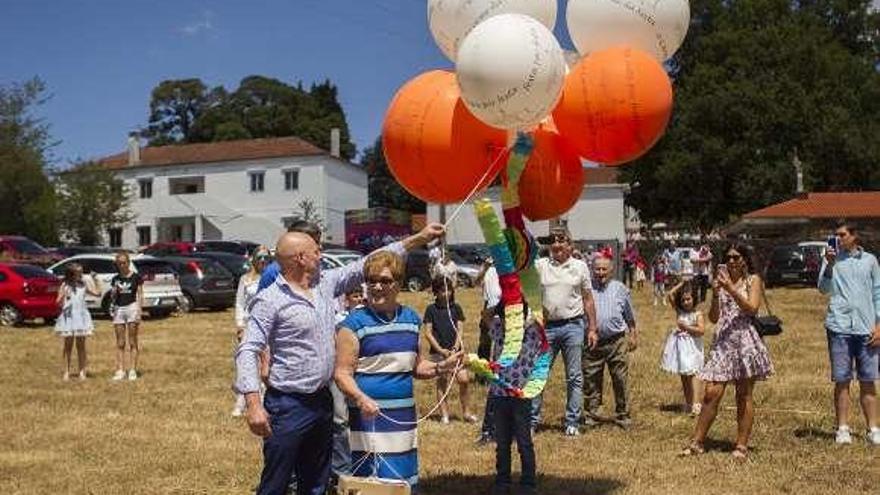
(350, 485)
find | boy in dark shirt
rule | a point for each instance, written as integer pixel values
(444, 318)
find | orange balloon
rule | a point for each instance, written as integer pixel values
(553, 178)
(615, 105)
(435, 148)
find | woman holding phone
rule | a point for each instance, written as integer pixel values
(737, 355)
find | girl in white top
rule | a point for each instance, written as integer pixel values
(248, 286)
(683, 351)
(75, 323)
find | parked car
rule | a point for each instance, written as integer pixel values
(467, 271)
(241, 248)
(418, 270)
(68, 251)
(341, 257)
(20, 249)
(470, 254)
(204, 282)
(27, 292)
(169, 249)
(162, 293)
(795, 264)
(236, 265)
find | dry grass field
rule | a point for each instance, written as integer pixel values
(171, 432)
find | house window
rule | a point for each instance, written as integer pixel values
(186, 185)
(146, 188)
(291, 180)
(144, 234)
(257, 181)
(115, 235)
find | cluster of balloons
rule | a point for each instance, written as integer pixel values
(447, 133)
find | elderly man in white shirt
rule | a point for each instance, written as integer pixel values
(569, 310)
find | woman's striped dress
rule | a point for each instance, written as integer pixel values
(386, 362)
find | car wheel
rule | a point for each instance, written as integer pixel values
(105, 304)
(9, 315)
(414, 284)
(464, 280)
(186, 303)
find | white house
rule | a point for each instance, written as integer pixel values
(233, 190)
(599, 214)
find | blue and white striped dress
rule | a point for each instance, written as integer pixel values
(387, 359)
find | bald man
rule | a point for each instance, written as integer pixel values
(295, 317)
(617, 335)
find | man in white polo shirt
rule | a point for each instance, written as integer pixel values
(568, 311)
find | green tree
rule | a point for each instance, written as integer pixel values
(308, 211)
(175, 105)
(756, 82)
(90, 199)
(382, 188)
(26, 196)
(184, 111)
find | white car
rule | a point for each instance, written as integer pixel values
(162, 292)
(340, 257)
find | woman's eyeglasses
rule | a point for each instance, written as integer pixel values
(262, 258)
(383, 282)
(733, 257)
(558, 239)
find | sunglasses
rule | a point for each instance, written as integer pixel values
(841, 233)
(558, 239)
(733, 257)
(383, 282)
(262, 258)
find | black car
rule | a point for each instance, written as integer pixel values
(241, 248)
(418, 270)
(795, 264)
(204, 282)
(236, 265)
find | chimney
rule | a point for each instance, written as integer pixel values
(134, 150)
(334, 143)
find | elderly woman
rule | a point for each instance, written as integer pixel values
(377, 357)
(738, 355)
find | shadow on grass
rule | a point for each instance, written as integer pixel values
(813, 433)
(461, 484)
(671, 408)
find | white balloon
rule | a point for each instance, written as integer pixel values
(656, 26)
(452, 20)
(510, 70)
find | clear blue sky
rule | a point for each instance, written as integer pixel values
(101, 58)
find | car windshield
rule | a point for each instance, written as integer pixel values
(348, 258)
(27, 246)
(28, 271)
(153, 267)
(210, 267)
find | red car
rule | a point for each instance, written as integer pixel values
(17, 248)
(27, 292)
(169, 249)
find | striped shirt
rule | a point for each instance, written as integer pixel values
(387, 357)
(614, 308)
(300, 331)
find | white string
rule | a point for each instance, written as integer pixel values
(476, 188)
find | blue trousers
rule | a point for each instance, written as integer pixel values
(512, 423)
(300, 442)
(569, 339)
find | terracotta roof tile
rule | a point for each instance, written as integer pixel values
(825, 205)
(249, 149)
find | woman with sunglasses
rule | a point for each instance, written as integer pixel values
(248, 285)
(738, 355)
(377, 357)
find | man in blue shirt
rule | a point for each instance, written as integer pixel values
(852, 278)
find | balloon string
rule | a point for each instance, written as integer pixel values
(476, 188)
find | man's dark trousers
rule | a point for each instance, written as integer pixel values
(299, 444)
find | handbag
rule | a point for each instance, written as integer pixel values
(769, 324)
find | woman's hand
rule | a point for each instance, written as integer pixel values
(723, 280)
(369, 408)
